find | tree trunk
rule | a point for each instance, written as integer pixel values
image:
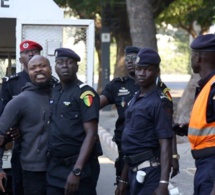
(185, 104)
(142, 25)
(121, 32)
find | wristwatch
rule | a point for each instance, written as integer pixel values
(77, 172)
(177, 156)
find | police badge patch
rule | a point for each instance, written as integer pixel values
(87, 97)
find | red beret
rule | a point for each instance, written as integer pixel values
(30, 45)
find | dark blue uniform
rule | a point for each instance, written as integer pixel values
(119, 92)
(71, 107)
(205, 175)
(11, 87)
(147, 119)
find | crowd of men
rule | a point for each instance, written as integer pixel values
(57, 147)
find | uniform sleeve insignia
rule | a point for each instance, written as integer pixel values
(87, 97)
(167, 93)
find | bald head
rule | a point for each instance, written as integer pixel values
(39, 70)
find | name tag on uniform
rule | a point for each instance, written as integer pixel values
(66, 103)
(123, 91)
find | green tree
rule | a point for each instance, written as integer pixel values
(195, 17)
(179, 13)
(185, 13)
(117, 19)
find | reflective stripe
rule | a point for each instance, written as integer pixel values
(203, 131)
(201, 134)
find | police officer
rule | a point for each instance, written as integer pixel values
(201, 127)
(119, 92)
(73, 159)
(147, 136)
(11, 87)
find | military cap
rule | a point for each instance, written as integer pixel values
(30, 45)
(204, 43)
(131, 49)
(66, 53)
(147, 56)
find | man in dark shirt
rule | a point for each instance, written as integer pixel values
(119, 92)
(147, 136)
(73, 159)
(11, 87)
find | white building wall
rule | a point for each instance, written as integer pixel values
(30, 9)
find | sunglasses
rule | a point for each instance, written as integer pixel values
(131, 58)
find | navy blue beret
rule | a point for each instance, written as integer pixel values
(204, 43)
(66, 53)
(147, 56)
(131, 49)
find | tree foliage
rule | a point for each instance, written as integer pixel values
(183, 13)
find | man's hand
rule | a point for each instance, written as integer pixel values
(180, 129)
(72, 184)
(2, 175)
(121, 189)
(162, 189)
(174, 167)
(14, 133)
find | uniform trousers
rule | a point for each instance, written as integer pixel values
(57, 176)
(34, 182)
(205, 175)
(150, 183)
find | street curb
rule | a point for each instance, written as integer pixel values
(106, 137)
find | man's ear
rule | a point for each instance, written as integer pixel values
(198, 57)
(20, 60)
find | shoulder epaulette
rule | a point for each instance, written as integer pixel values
(55, 80)
(120, 79)
(165, 94)
(14, 76)
(82, 85)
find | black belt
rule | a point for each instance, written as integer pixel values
(63, 161)
(203, 153)
(141, 157)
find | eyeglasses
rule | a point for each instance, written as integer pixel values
(28, 52)
(130, 58)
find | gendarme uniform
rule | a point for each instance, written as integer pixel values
(72, 106)
(148, 118)
(11, 87)
(119, 92)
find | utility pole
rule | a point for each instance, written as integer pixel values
(105, 46)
